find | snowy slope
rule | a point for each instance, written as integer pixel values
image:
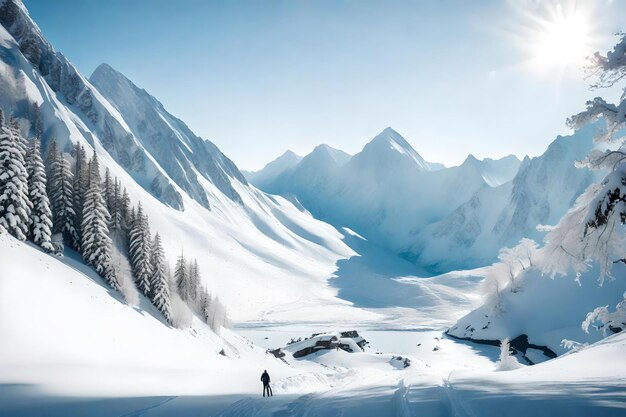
(254, 251)
(542, 191)
(387, 192)
(546, 310)
(73, 336)
(167, 140)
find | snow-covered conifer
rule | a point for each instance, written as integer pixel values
(37, 121)
(14, 127)
(114, 209)
(50, 161)
(95, 242)
(139, 251)
(159, 288)
(80, 183)
(14, 203)
(205, 302)
(109, 191)
(62, 201)
(181, 276)
(40, 225)
(194, 281)
(124, 210)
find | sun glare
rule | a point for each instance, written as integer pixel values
(565, 41)
(560, 39)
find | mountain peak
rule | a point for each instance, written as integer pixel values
(389, 141)
(471, 159)
(289, 154)
(105, 68)
(327, 151)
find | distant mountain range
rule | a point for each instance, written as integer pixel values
(440, 218)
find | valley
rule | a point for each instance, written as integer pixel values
(142, 273)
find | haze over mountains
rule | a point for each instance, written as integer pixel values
(440, 218)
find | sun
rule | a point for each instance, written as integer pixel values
(556, 35)
(564, 39)
(559, 38)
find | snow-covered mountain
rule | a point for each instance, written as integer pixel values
(447, 218)
(71, 107)
(387, 192)
(542, 191)
(256, 251)
(247, 244)
(179, 153)
(270, 171)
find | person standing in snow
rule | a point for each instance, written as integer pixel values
(265, 378)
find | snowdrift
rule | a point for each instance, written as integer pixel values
(545, 309)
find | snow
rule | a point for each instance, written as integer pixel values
(71, 345)
(542, 191)
(532, 309)
(284, 162)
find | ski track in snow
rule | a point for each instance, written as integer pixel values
(143, 411)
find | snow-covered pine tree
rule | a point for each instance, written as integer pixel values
(114, 209)
(40, 225)
(160, 292)
(62, 201)
(80, 183)
(37, 121)
(205, 305)
(139, 251)
(181, 277)
(129, 223)
(194, 281)
(14, 203)
(95, 242)
(51, 159)
(108, 190)
(17, 133)
(123, 207)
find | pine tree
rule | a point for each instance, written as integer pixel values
(114, 210)
(95, 242)
(40, 225)
(130, 221)
(37, 121)
(21, 140)
(123, 208)
(181, 277)
(206, 302)
(108, 190)
(160, 292)
(139, 251)
(194, 280)
(14, 203)
(51, 159)
(81, 180)
(62, 201)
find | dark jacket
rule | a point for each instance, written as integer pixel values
(265, 378)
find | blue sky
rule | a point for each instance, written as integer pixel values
(260, 77)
